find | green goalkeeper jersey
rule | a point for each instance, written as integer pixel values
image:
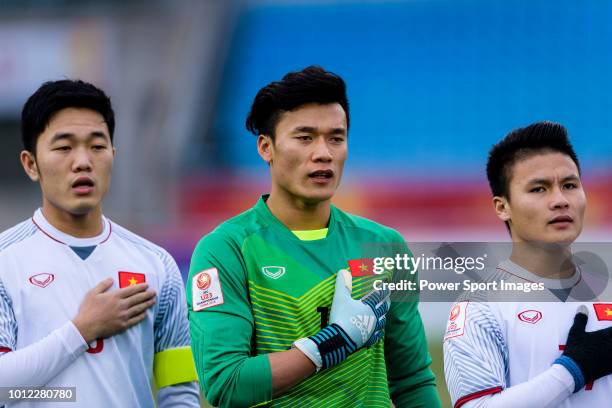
(254, 288)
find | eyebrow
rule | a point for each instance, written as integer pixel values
(311, 129)
(571, 177)
(63, 136)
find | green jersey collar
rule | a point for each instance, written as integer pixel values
(311, 236)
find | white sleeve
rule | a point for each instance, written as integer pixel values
(8, 323)
(172, 331)
(180, 395)
(36, 364)
(556, 381)
(475, 353)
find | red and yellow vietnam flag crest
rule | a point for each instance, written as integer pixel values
(603, 311)
(130, 278)
(361, 267)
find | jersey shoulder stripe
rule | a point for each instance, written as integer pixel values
(16, 234)
(150, 247)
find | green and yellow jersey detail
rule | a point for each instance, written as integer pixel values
(278, 288)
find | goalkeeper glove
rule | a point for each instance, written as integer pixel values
(353, 325)
(587, 355)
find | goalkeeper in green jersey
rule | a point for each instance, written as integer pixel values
(276, 319)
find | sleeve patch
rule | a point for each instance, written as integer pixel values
(456, 321)
(206, 290)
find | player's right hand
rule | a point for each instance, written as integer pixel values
(353, 324)
(590, 351)
(103, 313)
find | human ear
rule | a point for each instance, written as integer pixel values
(502, 208)
(265, 148)
(28, 161)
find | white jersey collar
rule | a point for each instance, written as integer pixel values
(49, 230)
(520, 272)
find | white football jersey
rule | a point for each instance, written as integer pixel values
(44, 276)
(490, 346)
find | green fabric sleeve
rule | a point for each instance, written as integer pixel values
(411, 381)
(221, 335)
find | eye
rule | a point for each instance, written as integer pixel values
(538, 189)
(99, 147)
(62, 148)
(570, 186)
(337, 139)
(304, 138)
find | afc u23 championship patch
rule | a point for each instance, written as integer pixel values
(206, 289)
(456, 321)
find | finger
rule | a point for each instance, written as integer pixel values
(381, 323)
(140, 298)
(136, 319)
(372, 302)
(342, 290)
(378, 296)
(103, 286)
(348, 279)
(139, 308)
(580, 320)
(385, 303)
(131, 290)
(374, 338)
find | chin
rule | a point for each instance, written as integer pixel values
(562, 239)
(84, 207)
(318, 197)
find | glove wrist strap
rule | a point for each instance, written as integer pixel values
(327, 348)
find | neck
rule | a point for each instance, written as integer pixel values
(297, 214)
(552, 261)
(78, 225)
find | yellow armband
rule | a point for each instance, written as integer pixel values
(174, 366)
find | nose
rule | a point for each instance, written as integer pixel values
(81, 160)
(558, 199)
(321, 152)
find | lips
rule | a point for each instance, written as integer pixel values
(561, 219)
(321, 174)
(83, 185)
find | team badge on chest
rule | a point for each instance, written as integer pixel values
(42, 280)
(530, 316)
(273, 272)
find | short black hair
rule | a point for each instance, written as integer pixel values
(313, 84)
(520, 144)
(54, 96)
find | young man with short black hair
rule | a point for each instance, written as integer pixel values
(85, 303)
(533, 353)
(270, 307)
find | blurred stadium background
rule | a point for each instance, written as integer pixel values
(432, 85)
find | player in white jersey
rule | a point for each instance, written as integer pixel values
(85, 303)
(527, 353)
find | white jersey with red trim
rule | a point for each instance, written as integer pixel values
(44, 276)
(490, 346)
